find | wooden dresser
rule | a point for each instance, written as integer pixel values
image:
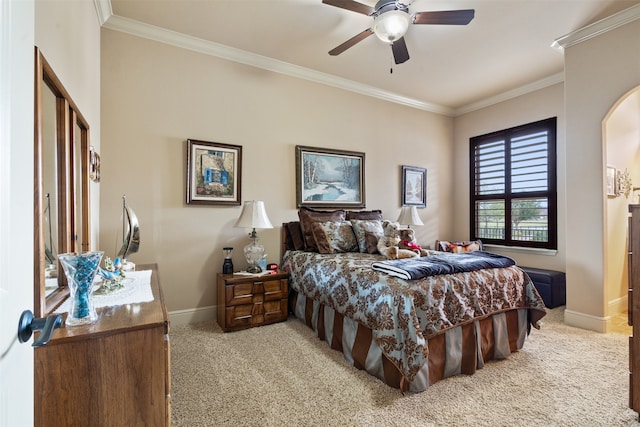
(634, 307)
(114, 372)
(248, 301)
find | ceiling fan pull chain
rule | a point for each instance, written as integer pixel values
(391, 61)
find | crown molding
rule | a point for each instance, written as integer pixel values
(103, 9)
(162, 35)
(504, 96)
(597, 28)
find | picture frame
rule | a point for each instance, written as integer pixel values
(330, 178)
(94, 165)
(214, 173)
(414, 186)
(612, 181)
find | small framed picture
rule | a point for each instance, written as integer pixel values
(213, 173)
(612, 182)
(94, 165)
(414, 186)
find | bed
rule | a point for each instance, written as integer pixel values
(408, 333)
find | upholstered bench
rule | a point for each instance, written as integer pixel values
(550, 284)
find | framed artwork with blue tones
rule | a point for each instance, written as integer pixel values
(329, 178)
(213, 173)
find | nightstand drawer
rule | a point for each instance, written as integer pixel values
(275, 311)
(275, 289)
(244, 315)
(248, 315)
(255, 292)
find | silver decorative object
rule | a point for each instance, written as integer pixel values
(624, 183)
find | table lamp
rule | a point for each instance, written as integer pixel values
(409, 216)
(253, 216)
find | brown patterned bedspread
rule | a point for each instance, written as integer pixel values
(404, 314)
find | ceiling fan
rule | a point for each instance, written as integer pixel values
(391, 20)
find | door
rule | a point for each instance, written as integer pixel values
(16, 207)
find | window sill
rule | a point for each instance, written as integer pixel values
(523, 250)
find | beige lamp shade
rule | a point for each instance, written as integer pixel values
(409, 216)
(254, 216)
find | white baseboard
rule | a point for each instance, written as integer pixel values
(192, 315)
(594, 323)
(618, 305)
(586, 321)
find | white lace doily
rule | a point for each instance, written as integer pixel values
(136, 289)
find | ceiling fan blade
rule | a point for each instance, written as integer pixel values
(400, 52)
(444, 17)
(351, 5)
(352, 41)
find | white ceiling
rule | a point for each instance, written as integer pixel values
(505, 48)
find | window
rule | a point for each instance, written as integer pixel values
(513, 186)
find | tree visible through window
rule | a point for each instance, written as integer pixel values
(513, 186)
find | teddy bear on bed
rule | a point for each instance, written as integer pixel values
(408, 241)
(388, 242)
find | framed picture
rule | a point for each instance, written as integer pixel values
(329, 178)
(414, 186)
(94, 165)
(612, 182)
(214, 172)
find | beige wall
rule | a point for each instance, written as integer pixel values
(155, 96)
(68, 34)
(538, 105)
(597, 73)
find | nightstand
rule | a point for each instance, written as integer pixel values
(248, 301)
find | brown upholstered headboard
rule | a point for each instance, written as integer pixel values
(291, 237)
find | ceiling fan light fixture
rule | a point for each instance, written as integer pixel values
(391, 25)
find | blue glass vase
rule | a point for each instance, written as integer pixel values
(80, 270)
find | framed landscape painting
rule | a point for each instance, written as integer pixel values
(213, 173)
(329, 178)
(414, 186)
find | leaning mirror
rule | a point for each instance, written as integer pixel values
(61, 185)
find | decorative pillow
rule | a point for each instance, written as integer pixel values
(308, 216)
(367, 234)
(295, 240)
(333, 237)
(365, 215)
(459, 247)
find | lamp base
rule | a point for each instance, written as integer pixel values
(254, 269)
(254, 252)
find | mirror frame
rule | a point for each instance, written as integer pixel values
(68, 120)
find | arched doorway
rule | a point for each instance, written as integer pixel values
(621, 146)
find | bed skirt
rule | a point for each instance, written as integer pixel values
(459, 350)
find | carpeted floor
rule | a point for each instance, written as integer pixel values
(282, 375)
